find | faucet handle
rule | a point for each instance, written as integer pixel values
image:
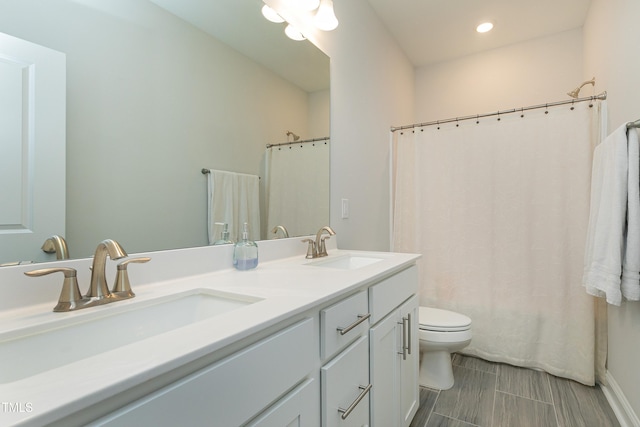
(311, 249)
(322, 250)
(70, 296)
(121, 286)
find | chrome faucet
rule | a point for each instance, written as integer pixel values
(98, 294)
(98, 287)
(282, 228)
(318, 248)
(56, 244)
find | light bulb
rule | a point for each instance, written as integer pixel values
(293, 33)
(325, 18)
(271, 14)
(484, 27)
(308, 4)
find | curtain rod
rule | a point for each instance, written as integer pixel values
(601, 96)
(324, 138)
(635, 124)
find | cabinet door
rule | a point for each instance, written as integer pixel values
(299, 408)
(384, 364)
(409, 390)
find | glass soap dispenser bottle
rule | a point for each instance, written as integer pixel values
(245, 252)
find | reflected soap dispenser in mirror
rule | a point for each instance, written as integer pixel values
(245, 252)
(224, 234)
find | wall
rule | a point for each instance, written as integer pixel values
(371, 90)
(150, 101)
(529, 73)
(612, 40)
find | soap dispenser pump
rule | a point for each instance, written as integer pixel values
(224, 234)
(245, 252)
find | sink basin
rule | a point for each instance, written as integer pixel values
(58, 343)
(346, 262)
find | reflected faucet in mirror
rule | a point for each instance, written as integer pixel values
(285, 233)
(56, 244)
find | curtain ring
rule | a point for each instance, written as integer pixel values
(498, 115)
(457, 124)
(477, 118)
(521, 112)
(438, 122)
(572, 104)
(546, 106)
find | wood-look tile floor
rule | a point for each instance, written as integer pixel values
(488, 394)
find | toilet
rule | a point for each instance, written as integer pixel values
(441, 333)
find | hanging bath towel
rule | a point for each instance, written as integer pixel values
(233, 198)
(606, 230)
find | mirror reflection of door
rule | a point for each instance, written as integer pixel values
(32, 140)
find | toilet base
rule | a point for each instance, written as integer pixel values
(436, 370)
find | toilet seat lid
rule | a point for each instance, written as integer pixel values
(435, 319)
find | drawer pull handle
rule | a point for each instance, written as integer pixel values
(406, 336)
(361, 318)
(346, 412)
(409, 332)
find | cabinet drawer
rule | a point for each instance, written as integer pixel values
(345, 384)
(343, 323)
(391, 292)
(229, 392)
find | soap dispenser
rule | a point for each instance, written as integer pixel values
(245, 252)
(224, 234)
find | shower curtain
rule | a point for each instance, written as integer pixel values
(297, 190)
(499, 209)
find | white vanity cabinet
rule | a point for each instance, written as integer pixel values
(239, 387)
(394, 350)
(344, 346)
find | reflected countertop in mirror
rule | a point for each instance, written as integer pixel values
(152, 99)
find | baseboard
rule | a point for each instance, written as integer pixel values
(619, 403)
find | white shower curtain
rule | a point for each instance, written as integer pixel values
(297, 191)
(499, 210)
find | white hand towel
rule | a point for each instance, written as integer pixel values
(631, 260)
(604, 246)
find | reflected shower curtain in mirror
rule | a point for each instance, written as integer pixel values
(499, 210)
(297, 191)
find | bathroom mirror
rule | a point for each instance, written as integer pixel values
(152, 99)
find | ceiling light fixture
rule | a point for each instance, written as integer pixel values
(271, 14)
(293, 33)
(325, 18)
(309, 5)
(484, 27)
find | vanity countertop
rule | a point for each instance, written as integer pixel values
(283, 289)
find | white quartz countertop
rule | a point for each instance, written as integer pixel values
(282, 289)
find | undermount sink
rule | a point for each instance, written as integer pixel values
(48, 346)
(346, 262)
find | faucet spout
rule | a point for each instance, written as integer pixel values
(98, 287)
(322, 250)
(281, 228)
(56, 244)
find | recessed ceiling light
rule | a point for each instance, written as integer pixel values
(484, 27)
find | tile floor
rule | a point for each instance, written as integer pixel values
(488, 394)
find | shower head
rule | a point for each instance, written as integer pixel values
(574, 93)
(293, 135)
